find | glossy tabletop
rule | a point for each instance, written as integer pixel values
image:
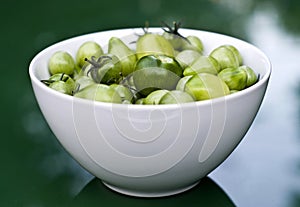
(264, 170)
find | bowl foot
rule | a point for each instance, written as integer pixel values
(137, 193)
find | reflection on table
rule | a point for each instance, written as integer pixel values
(206, 193)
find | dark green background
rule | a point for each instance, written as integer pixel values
(35, 170)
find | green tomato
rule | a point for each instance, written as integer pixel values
(126, 56)
(124, 92)
(236, 52)
(193, 43)
(61, 82)
(168, 97)
(140, 101)
(251, 76)
(153, 44)
(87, 50)
(59, 77)
(106, 69)
(83, 81)
(235, 78)
(203, 64)
(99, 92)
(203, 86)
(176, 41)
(154, 72)
(226, 57)
(61, 62)
(186, 57)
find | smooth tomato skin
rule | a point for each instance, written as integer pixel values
(151, 43)
(203, 86)
(99, 92)
(193, 43)
(186, 57)
(61, 82)
(61, 62)
(251, 75)
(203, 64)
(154, 72)
(126, 56)
(108, 72)
(226, 56)
(168, 97)
(235, 78)
(87, 50)
(124, 92)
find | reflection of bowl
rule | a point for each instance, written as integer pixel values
(150, 150)
(206, 193)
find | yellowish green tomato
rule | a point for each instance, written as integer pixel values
(235, 78)
(168, 97)
(99, 92)
(238, 78)
(193, 43)
(124, 92)
(126, 56)
(176, 41)
(59, 77)
(106, 69)
(186, 57)
(61, 82)
(154, 72)
(140, 101)
(226, 57)
(203, 64)
(153, 44)
(251, 76)
(61, 62)
(155, 97)
(84, 81)
(203, 86)
(87, 50)
(236, 52)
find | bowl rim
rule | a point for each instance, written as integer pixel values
(263, 80)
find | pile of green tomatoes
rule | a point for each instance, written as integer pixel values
(163, 68)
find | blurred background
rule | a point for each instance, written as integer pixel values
(36, 171)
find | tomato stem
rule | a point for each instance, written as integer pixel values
(167, 28)
(97, 63)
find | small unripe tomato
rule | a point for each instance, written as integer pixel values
(186, 57)
(87, 50)
(176, 41)
(83, 81)
(140, 101)
(203, 64)
(124, 92)
(203, 86)
(99, 92)
(61, 62)
(168, 97)
(61, 82)
(154, 72)
(226, 56)
(153, 44)
(126, 56)
(193, 43)
(235, 78)
(106, 69)
(236, 52)
(251, 76)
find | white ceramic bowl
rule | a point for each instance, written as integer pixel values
(150, 150)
